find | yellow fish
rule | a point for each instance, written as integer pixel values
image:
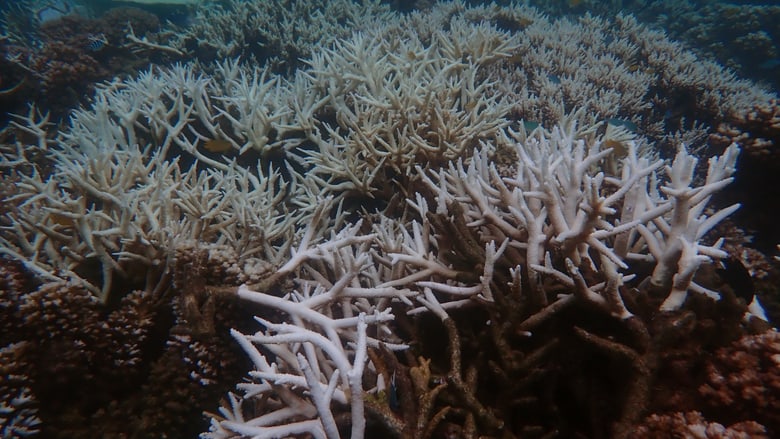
(62, 219)
(217, 145)
(618, 148)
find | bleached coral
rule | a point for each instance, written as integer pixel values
(119, 198)
(561, 209)
(611, 68)
(315, 361)
(278, 34)
(266, 173)
(399, 102)
(573, 228)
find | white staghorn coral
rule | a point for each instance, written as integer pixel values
(278, 33)
(561, 205)
(118, 199)
(399, 102)
(560, 216)
(361, 117)
(317, 360)
(610, 67)
(118, 196)
(675, 240)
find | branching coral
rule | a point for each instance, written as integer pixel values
(569, 228)
(612, 68)
(117, 200)
(400, 102)
(559, 203)
(535, 247)
(278, 34)
(317, 359)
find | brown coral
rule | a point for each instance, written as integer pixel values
(151, 363)
(757, 131)
(743, 380)
(18, 405)
(692, 425)
(73, 54)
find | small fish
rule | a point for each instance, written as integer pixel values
(737, 276)
(217, 145)
(626, 124)
(516, 58)
(96, 42)
(392, 396)
(619, 149)
(63, 220)
(530, 125)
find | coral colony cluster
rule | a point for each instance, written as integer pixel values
(455, 223)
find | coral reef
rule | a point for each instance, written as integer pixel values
(758, 130)
(116, 204)
(632, 74)
(277, 34)
(465, 222)
(693, 425)
(539, 314)
(146, 366)
(740, 35)
(743, 380)
(113, 199)
(70, 54)
(751, 30)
